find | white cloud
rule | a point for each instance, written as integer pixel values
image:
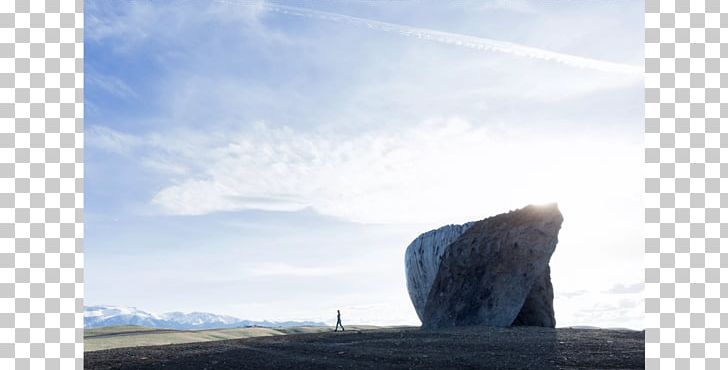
(600, 309)
(285, 269)
(605, 311)
(111, 84)
(131, 23)
(626, 288)
(444, 170)
(111, 140)
(569, 295)
(459, 40)
(520, 6)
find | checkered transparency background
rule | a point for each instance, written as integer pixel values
(41, 184)
(686, 142)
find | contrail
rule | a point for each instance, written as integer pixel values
(466, 41)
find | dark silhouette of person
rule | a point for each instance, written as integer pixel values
(338, 321)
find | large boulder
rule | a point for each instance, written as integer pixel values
(491, 272)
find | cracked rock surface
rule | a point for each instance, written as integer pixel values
(491, 272)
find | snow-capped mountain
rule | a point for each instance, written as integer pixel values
(98, 316)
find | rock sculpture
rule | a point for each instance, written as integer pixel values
(491, 272)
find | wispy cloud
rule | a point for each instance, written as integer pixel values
(284, 269)
(626, 312)
(111, 140)
(626, 288)
(569, 295)
(110, 84)
(521, 6)
(132, 22)
(379, 176)
(459, 40)
(600, 309)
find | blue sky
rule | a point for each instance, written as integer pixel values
(273, 160)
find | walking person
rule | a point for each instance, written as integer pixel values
(338, 321)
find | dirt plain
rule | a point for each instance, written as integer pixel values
(96, 339)
(399, 348)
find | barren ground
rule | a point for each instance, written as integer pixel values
(402, 348)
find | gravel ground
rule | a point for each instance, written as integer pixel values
(410, 348)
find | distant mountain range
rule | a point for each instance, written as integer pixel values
(98, 316)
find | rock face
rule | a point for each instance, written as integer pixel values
(491, 272)
(422, 261)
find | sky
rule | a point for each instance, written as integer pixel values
(272, 160)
